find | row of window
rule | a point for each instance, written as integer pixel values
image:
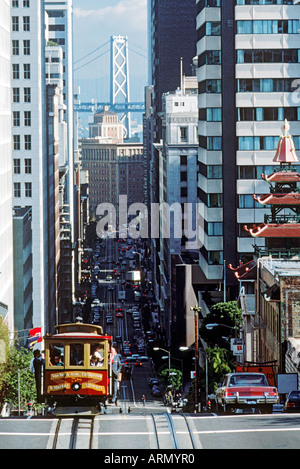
(255, 172)
(27, 189)
(265, 2)
(15, 23)
(26, 142)
(268, 56)
(250, 143)
(253, 85)
(16, 47)
(17, 118)
(268, 114)
(267, 26)
(16, 95)
(27, 166)
(267, 85)
(258, 114)
(26, 71)
(213, 57)
(217, 3)
(213, 28)
(17, 3)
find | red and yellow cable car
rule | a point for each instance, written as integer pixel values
(77, 372)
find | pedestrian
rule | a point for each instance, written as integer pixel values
(116, 369)
(144, 399)
(37, 365)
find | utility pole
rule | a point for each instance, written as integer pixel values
(196, 310)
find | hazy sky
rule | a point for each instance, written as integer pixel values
(95, 21)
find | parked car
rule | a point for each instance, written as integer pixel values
(292, 403)
(246, 390)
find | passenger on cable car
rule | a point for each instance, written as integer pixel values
(76, 357)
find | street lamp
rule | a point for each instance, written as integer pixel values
(196, 310)
(167, 351)
(211, 326)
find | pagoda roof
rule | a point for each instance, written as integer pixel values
(282, 176)
(245, 271)
(275, 230)
(285, 152)
(278, 199)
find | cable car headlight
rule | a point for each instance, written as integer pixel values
(76, 386)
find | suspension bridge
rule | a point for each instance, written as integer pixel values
(119, 80)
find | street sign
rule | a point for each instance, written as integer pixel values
(193, 374)
(237, 346)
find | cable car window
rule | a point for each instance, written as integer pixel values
(76, 354)
(56, 354)
(97, 355)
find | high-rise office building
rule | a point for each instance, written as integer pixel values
(248, 63)
(172, 48)
(59, 32)
(28, 139)
(6, 227)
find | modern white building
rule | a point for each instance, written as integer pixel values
(6, 226)
(59, 31)
(248, 65)
(28, 135)
(177, 185)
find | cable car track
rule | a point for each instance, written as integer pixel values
(74, 433)
(169, 435)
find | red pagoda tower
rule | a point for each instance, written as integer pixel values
(281, 229)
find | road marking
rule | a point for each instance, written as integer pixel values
(251, 430)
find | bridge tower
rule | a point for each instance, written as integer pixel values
(119, 77)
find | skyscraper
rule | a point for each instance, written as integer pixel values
(248, 59)
(6, 233)
(29, 144)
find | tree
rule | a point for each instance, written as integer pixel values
(15, 359)
(221, 313)
(174, 378)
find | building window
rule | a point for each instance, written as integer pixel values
(15, 23)
(213, 28)
(17, 189)
(214, 200)
(28, 190)
(26, 23)
(183, 134)
(183, 160)
(215, 229)
(17, 142)
(27, 118)
(214, 114)
(26, 3)
(27, 142)
(214, 143)
(16, 71)
(183, 176)
(15, 47)
(17, 166)
(215, 257)
(15, 3)
(26, 69)
(16, 118)
(28, 166)
(27, 95)
(16, 95)
(26, 47)
(214, 171)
